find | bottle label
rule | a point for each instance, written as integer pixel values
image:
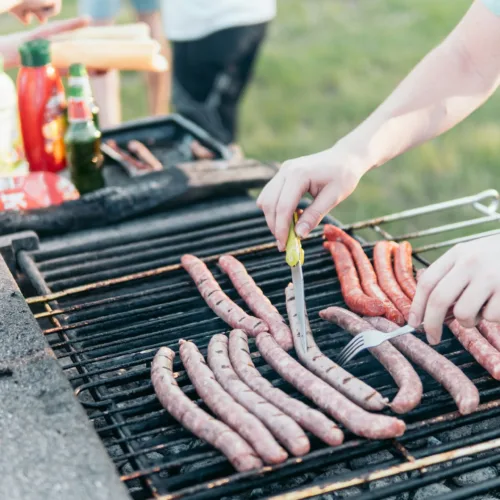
(78, 111)
(54, 124)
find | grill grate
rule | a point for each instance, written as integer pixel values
(109, 303)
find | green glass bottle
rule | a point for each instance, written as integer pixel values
(83, 144)
(78, 76)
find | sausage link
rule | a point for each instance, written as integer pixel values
(349, 282)
(281, 426)
(259, 304)
(308, 418)
(410, 386)
(354, 418)
(454, 380)
(322, 366)
(226, 408)
(217, 300)
(491, 332)
(366, 272)
(241, 455)
(382, 260)
(482, 351)
(403, 268)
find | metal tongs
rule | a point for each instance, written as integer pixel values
(295, 259)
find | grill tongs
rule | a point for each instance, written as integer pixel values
(295, 259)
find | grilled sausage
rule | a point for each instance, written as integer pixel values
(217, 300)
(366, 272)
(142, 151)
(349, 282)
(226, 408)
(281, 426)
(491, 332)
(259, 304)
(410, 387)
(403, 268)
(241, 455)
(482, 351)
(382, 260)
(354, 418)
(308, 418)
(454, 380)
(346, 383)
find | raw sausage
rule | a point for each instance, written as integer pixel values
(308, 418)
(382, 260)
(410, 387)
(403, 268)
(491, 332)
(241, 455)
(217, 300)
(357, 420)
(282, 426)
(349, 282)
(366, 272)
(482, 351)
(346, 383)
(226, 408)
(259, 304)
(454, 380)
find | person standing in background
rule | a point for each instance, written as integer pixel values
(107, 87)
(215, 44)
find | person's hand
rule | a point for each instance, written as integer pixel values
(42, 9)
(468, 276)
(329, 176)
(9, 44)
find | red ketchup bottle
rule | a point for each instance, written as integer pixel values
(42, 108)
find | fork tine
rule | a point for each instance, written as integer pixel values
(351, 355)
(354, 345)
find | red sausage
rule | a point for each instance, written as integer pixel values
(491, 332)
(241, 455)
(346, 383)
(359, 421)
(382, 259)
(453, 379)
(282, 426)
(403, 268)
(217, 300)
(309, 419)
(366, 272)
(349, 282)
(410, 387)
(226, 408)
(259, 304)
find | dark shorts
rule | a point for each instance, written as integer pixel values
(211, 74)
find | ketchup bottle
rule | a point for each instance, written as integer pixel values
(42, 108)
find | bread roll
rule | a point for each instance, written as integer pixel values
(135, 31)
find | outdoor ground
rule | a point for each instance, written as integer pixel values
(326, 64)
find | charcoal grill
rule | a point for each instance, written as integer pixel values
(107, 300)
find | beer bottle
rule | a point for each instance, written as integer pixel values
(83, 144)
(78, 76)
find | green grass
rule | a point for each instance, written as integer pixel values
(325, 65)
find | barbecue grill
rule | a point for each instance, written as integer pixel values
(107, 299)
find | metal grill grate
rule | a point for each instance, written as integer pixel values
(109, 303)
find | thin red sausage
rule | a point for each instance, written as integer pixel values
(217, 300)
(359, 421)
(463, 391)
(308, 418)
(491, 332)
(226, 408)
(366, 272)
(410, 387)
(241, 455)
(403, 268)
(281, 426)
(382, 260)
(259, 304)
(346, 383)
(353, 295)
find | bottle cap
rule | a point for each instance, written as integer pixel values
(77, 69)
(35, 53)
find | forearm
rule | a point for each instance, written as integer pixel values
(6, 5)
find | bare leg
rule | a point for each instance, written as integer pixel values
(159, 84)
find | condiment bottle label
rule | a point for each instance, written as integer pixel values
(53, 128)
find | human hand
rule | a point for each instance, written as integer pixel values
(329, 176)
(42, 9)
(465, 278)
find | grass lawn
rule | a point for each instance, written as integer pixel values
(326, 65)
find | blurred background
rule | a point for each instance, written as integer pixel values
(324, 67)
